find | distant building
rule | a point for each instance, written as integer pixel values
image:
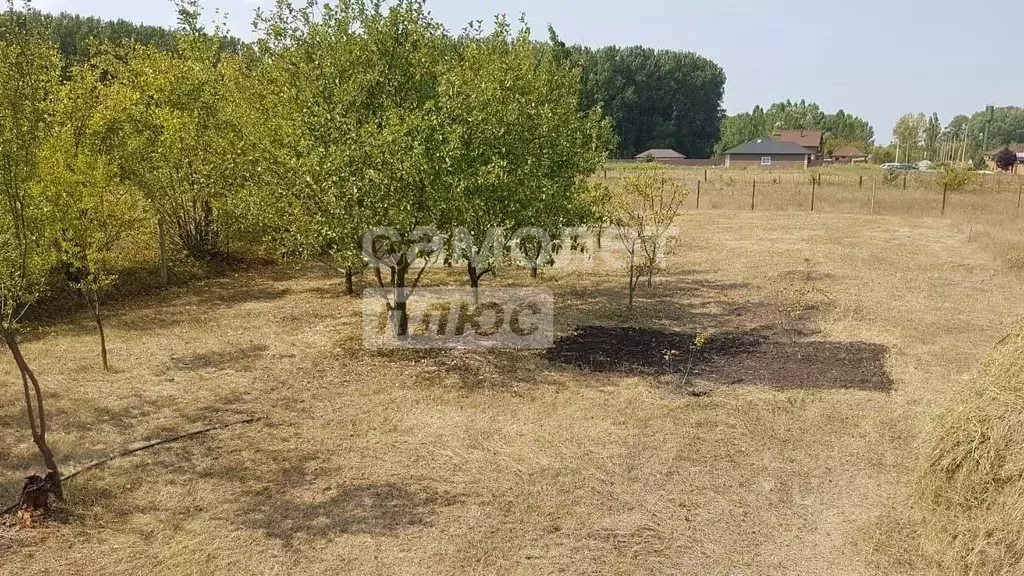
(661, 156)
(849, 155)
(768, 153)
(811, 140)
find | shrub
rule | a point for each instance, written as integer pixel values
(956, 179)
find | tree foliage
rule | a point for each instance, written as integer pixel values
(655, 98)
(1005, 159)
(93, 210)
(29, 75)
(78, 37)
(908, 133)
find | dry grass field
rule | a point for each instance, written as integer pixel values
(503, 462)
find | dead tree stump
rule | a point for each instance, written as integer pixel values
(35, 497)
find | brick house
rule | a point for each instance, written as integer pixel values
(768, 153)
(811, 140)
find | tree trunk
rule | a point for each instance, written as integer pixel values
(600, 231)
(162, 242)
(349, 288)
(36, 416)
(533, 270)
(632, 284)
(400, 311)
(474, 282)
(99, 325)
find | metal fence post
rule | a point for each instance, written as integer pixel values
(753, 192)
(813, 189)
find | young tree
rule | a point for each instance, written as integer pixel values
(29, 73)
(94, 210)
(645, 212)
(1005, 159)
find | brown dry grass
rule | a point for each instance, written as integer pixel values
(499, 462)
(966, 513)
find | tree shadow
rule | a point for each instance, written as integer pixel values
(366, 508)
(239, 359)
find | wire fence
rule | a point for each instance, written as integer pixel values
(909, 194)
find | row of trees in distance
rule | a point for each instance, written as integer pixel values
(655, 98)
(918, 136)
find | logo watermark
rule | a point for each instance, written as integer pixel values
(493, 318)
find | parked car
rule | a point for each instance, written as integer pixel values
(898, 167)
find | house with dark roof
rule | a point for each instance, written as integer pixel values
(811, 140)
(768, 153)
(661, 156)
(848, 155)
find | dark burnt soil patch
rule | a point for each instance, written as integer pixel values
(751, 358)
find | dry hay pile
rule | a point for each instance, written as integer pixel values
(971, 491)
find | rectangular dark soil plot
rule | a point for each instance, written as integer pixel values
(729, 358)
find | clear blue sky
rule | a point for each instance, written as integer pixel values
(877, 59)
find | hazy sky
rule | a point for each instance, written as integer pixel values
(877, 59)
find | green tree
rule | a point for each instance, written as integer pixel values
(931, 134)
(521, 150)
(655, 98)
(305, 112)
(908, 134)
(95, 211)
(183, 155)
(29, 74)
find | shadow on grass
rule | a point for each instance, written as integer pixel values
(241, 359)
(366, 508)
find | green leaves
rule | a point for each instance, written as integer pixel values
(656, 98)
(29, 73)
(93, 209)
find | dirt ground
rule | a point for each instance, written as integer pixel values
(518, 462)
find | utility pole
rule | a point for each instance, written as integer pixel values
(990, 114)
